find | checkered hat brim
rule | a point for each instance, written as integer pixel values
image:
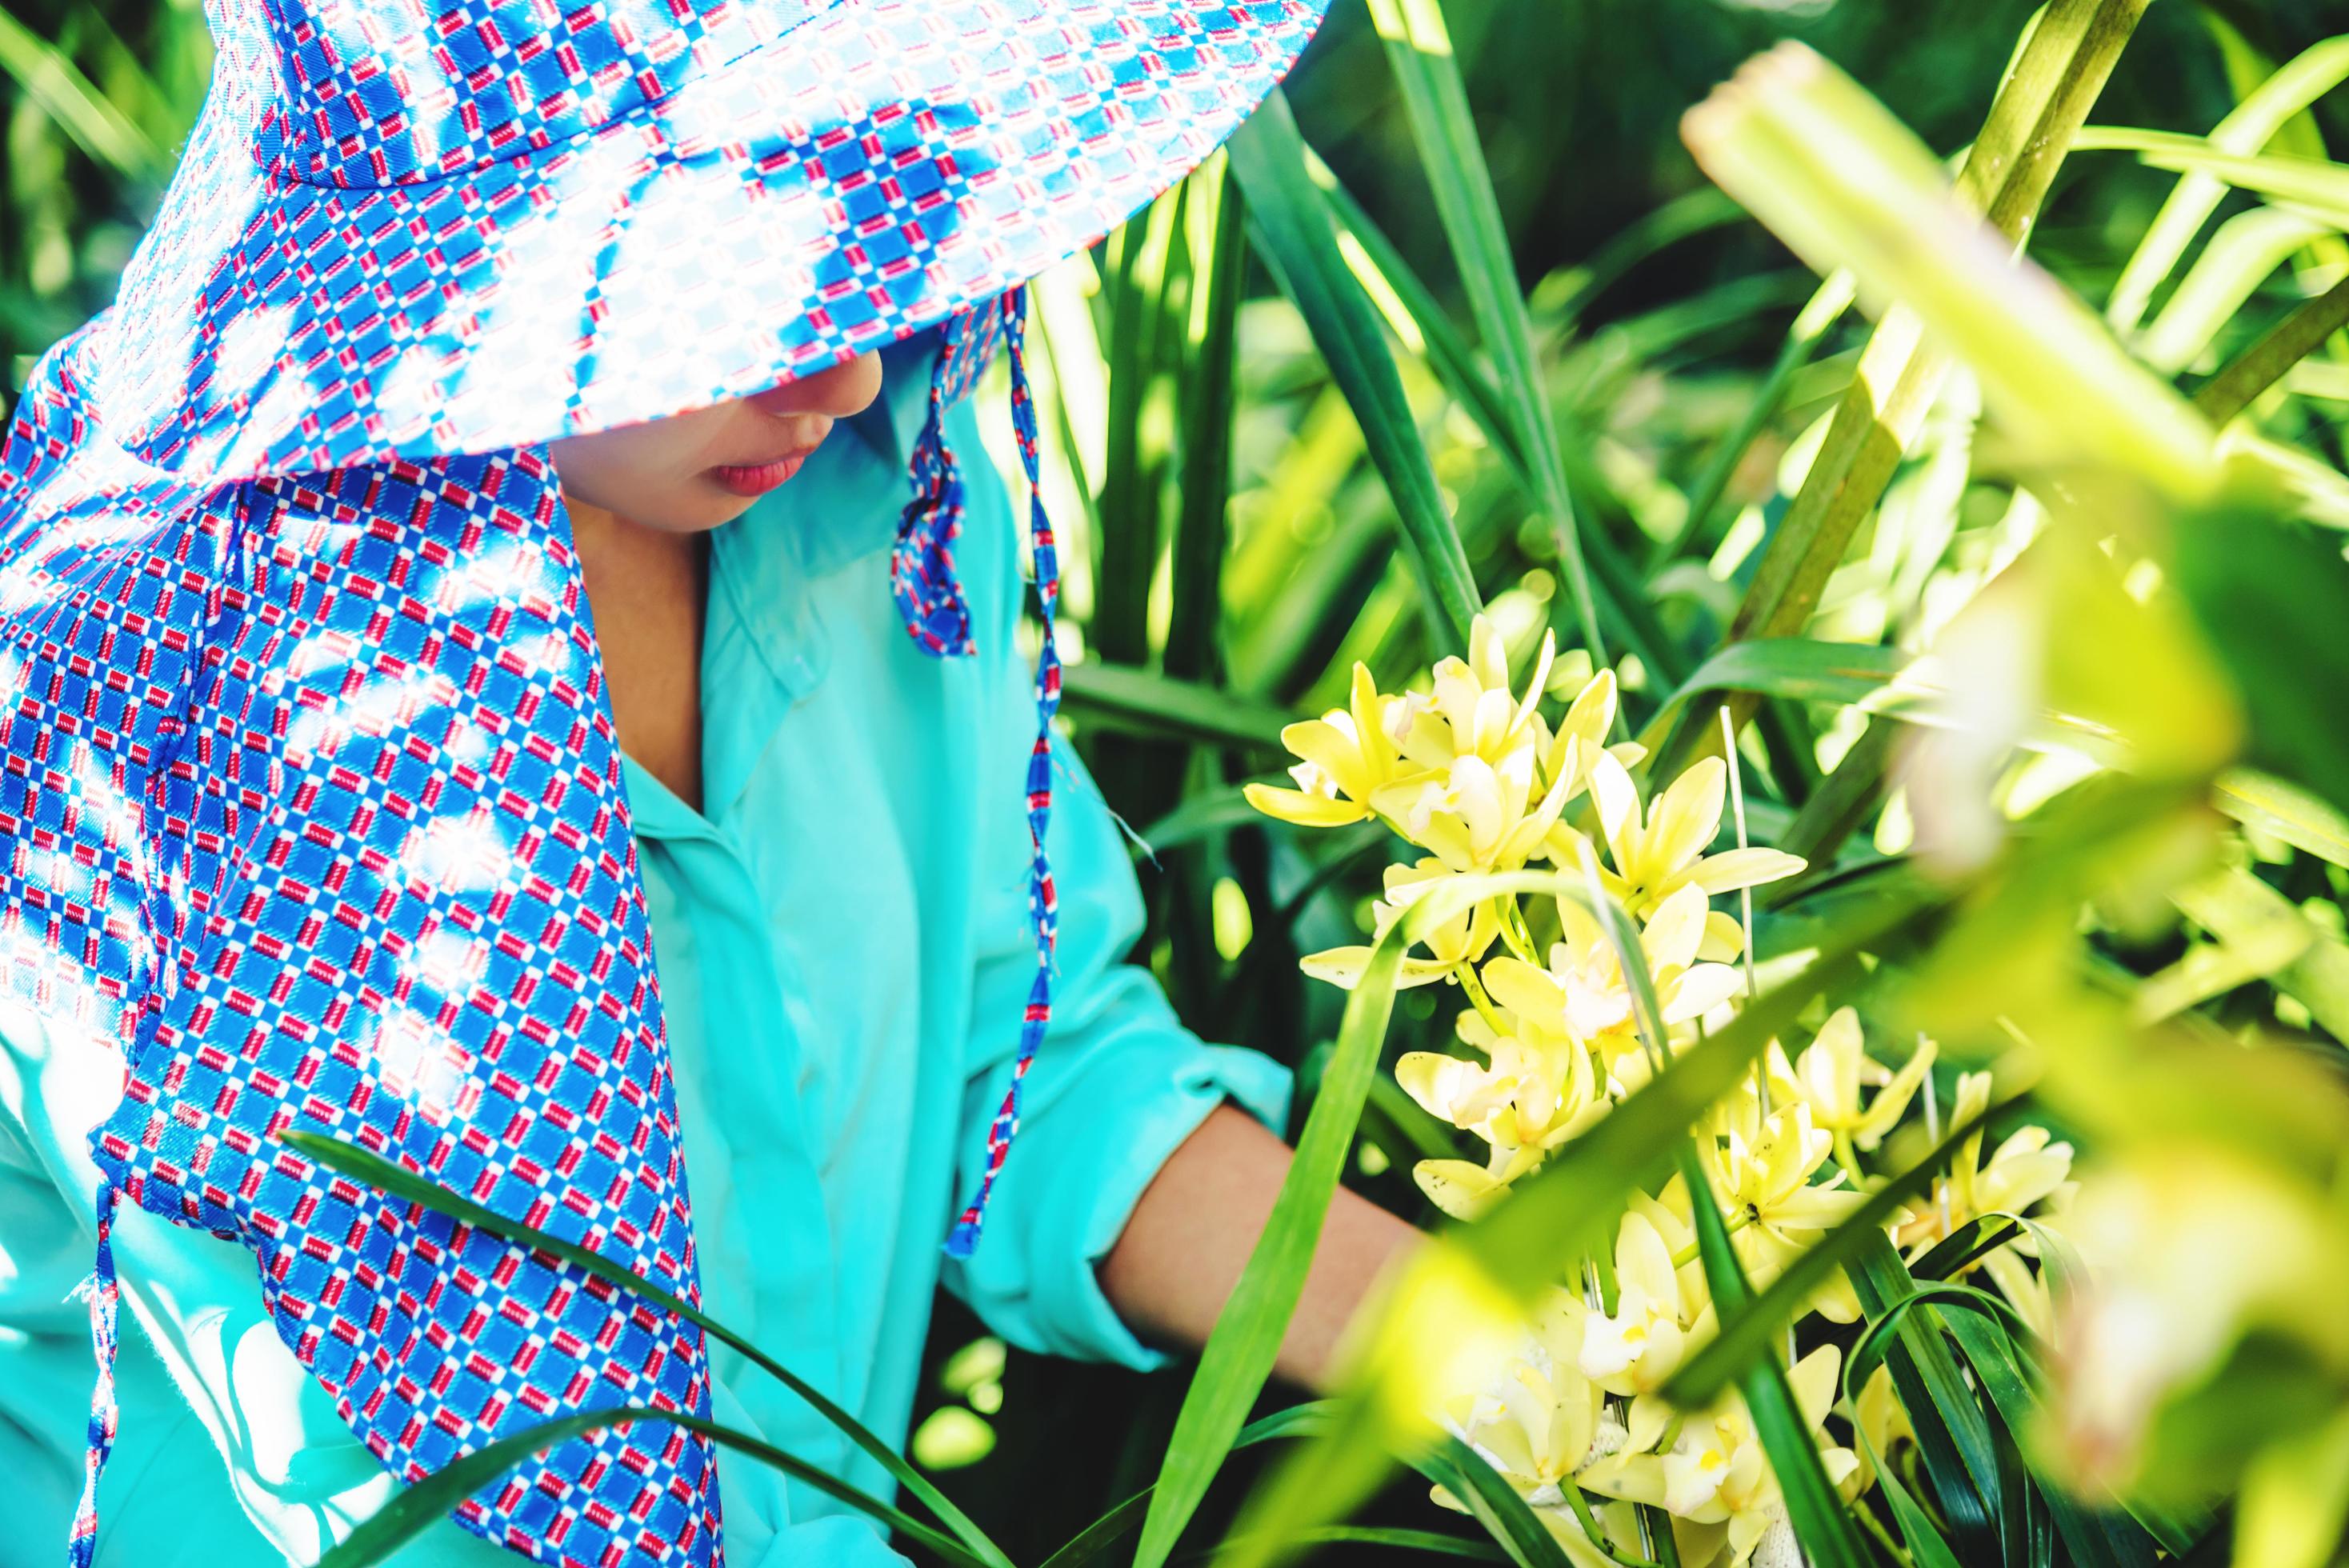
(868, 170)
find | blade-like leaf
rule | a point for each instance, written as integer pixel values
(1150, 704)
(1824, 1530)
(1728, 1356)
(1953, 1438)
(2317, 184)
(1201, 527)
(411, 1513)
(1105, 1532)
(2247, 128)
(85, 114)
(399, 1182)
(2069, 50)
(2266, 362)
(1437, 102)
(2285, 811)
(1845, 184)
(1291, 225)
(1240, 1352)
(1495, 1506)
(1827, 1536)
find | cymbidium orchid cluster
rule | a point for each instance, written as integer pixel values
(1475, 775)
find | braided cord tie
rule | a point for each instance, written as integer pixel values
(1043, 905)
(104, 1295)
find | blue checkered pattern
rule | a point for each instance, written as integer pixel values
(312, 798)
(629, 207)
(309, 793)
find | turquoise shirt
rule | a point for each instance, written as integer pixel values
(844, 951)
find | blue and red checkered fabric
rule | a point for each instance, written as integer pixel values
(312, 800)
(309, 792)
(419, 227)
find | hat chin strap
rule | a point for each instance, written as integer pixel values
(104, 1295)
(935, 613)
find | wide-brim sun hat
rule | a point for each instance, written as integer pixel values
(402, 230)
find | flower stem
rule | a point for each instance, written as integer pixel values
(1465, 974)
(1732, 1222)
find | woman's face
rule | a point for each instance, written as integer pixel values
(689, 473)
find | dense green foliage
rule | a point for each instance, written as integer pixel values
(1509, 348)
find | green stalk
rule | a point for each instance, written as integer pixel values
(1292, 224)
(2057, 75)
(1437, 102)
(2281, 347)
(1201, 526)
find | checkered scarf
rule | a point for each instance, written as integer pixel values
(312, 804)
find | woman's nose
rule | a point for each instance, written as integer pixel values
(844, 389)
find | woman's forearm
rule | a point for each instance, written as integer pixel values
(1182, 1251)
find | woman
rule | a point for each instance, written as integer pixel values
(328, 813)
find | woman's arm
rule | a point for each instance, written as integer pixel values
(1182, 1251)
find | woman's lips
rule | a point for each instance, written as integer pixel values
(758, 478)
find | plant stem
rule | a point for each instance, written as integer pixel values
(2283, 345)
(1466, 975)
(1730, 1225)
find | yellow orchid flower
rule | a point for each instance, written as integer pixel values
(1715, 1471)
(1535, 1090)
(1538, 1420)
(1348, 755)
(1759, 1167)
(1475, 793)
(2028, 1169)
(1830, 1073)
(1657, 1317)
(1583, 992)
(1877, 1412)
(1463, 939)
(1660, 850)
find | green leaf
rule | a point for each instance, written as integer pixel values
(1201, 529)
(80, 110)
(1797, 667)
(1102, 1533)
(2096, 1538)
(1845, 184)
(1813, 1507)
(2266, 362)
(1437, 102)
(2066, 55)
(1816, 1512)
(1454, 363)
(2247, 128)
(417, 1508)
(1558, 1216)
(2316, 184)
(2295, 1500)
(1494, 1503)
(1240, 1352)
(1431, 1542)
(1926, 1546)
(1293, 233)
(400, 1182)
(1727, 1358)
(2271, 600)
(1142, 702)
(2262, 934)
(2243, 255)
(2283, 810)
(1953, 1438)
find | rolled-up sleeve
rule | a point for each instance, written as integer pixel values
(1116, 1087)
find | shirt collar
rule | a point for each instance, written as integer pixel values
(764, 643)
